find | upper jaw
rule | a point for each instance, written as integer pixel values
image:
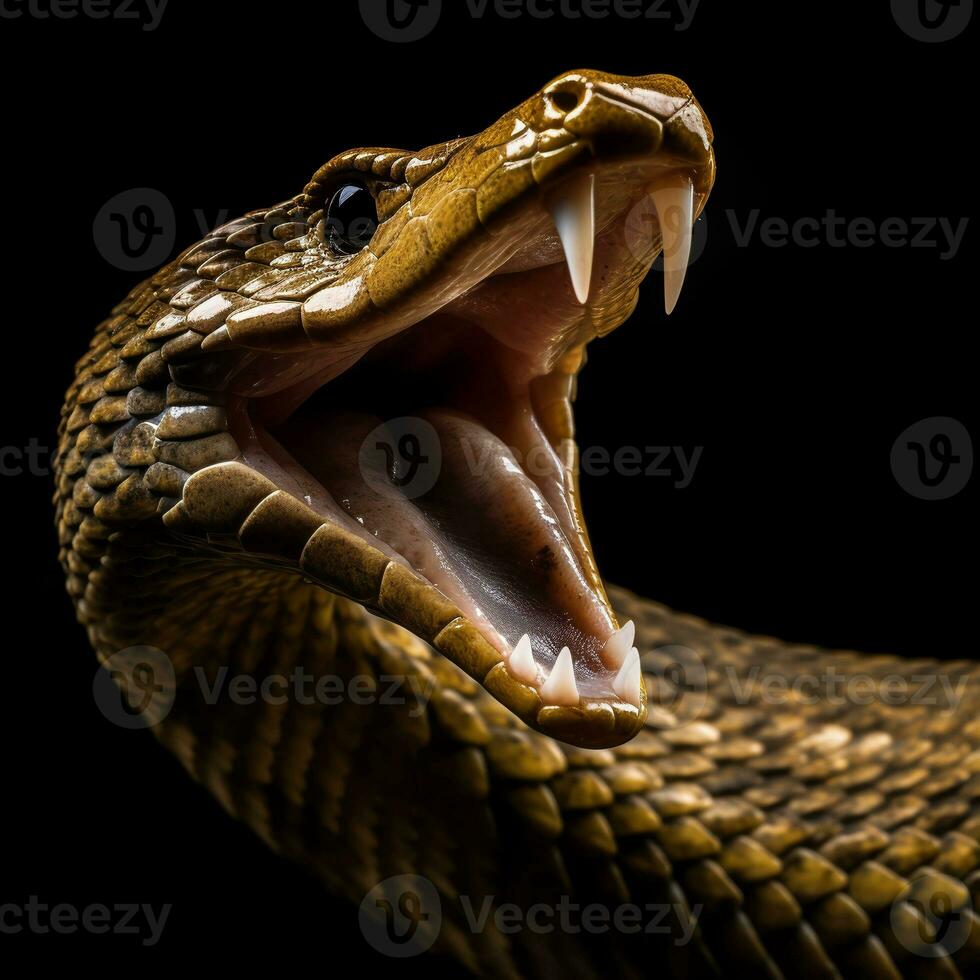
(474, 204)
(504, 191)
(580, 247)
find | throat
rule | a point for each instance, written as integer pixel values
(453, 473)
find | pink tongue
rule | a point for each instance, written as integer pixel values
(449, 496)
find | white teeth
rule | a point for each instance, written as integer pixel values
(674, 201)
(573, 212)
(521, 662)
(619, 644)
(626, 683)
(560, 687)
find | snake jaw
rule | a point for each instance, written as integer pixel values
(467, 313)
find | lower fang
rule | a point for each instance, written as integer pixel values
(560, 687)
(619, 644)
(626, 684)
(521, 662)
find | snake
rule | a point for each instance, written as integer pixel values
(334, 439)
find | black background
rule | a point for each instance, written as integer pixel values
(794, 368)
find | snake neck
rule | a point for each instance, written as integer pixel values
(758, 829)
(342, 741)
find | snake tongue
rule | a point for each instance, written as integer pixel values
(573, 211)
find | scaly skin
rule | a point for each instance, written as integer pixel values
(804, 837)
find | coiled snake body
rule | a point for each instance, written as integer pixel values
(230, 492)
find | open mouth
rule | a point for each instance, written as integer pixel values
(445, 440)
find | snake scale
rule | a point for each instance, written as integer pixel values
(211, 504)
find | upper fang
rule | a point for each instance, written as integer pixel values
(673, 197)
(573, 211)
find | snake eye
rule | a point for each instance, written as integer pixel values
(351, 220)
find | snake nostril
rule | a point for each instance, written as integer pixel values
(565, 100)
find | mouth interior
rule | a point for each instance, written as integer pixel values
(434, 445)
(431, 445)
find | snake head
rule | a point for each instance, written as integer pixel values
(399, 346)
